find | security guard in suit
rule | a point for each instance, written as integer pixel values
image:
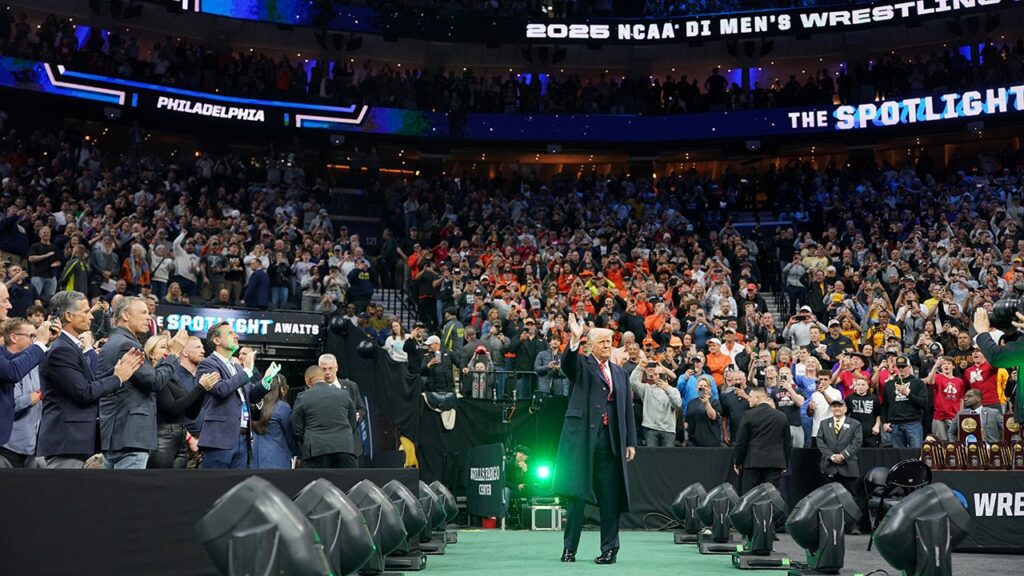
(839, 441)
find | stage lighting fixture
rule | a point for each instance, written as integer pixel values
(714, 512)
(543, 472)
(255, 529)
(684, 510)
(754, 517)
(408, 555)
(919, 533)
(451, 509)
(382, 518)
(433, 540)
(344, 535)
(817, 525)
(111, 113)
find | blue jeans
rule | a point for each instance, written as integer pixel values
(45, 287)
(907, 435)
(235, 458)
(160, 290)
(278, 296)
(125, 460)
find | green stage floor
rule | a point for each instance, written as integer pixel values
(524, 553)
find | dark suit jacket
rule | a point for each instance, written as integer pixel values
(222, 406)
(257, 291)
(353, 390)
(588, 397)
(128, 416)
(847, 443)
(322, 421)
(71, 394)
(14, 367)
(763, 439)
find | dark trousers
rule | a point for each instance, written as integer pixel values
(170, 439)
(752, 477)
(608, 487)
(236, 457)
(9, 459)
(332, 460)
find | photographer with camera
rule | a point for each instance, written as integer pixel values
(650, 383)
(688, 380)
(1005, 315)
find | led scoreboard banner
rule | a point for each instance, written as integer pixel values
(255, 326)
(830, 16)
(173, 102)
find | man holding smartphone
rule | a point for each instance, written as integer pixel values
(649, 381)
(437, 368)
(788, 400)
(703, 415)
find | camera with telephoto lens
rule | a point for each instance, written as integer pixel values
(1004, 312)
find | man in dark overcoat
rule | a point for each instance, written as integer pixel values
(598, 440)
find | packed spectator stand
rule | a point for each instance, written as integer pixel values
(180, 61)
(864, 267)
(878, 261)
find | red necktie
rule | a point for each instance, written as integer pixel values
(607, 378)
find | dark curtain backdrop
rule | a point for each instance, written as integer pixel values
(443, 453)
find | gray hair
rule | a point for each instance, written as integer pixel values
(326, 358)
(65, 301)
(598, 334)
(122, 306)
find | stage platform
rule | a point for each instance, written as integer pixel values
(515, 553)
(129, 523)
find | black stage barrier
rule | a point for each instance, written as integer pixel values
(996, 502)
(66, 522)
(657, 475)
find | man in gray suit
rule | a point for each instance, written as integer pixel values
(839, 440)
(128, 416)
(322, 420)
(991, 419)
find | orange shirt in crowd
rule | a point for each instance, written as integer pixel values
(716, 363)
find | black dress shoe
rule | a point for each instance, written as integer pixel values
(568, 556)
(606, 557)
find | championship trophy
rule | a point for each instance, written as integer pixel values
(1013, 443)
(997, 457)
(975, 456)
(968, 429)
(931, 455)
(953, 457)
(1011, 429)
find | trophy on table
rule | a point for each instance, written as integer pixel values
(931, 455)
(969, 429)
(997, 459)
(1011, 429)
(952, 456)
